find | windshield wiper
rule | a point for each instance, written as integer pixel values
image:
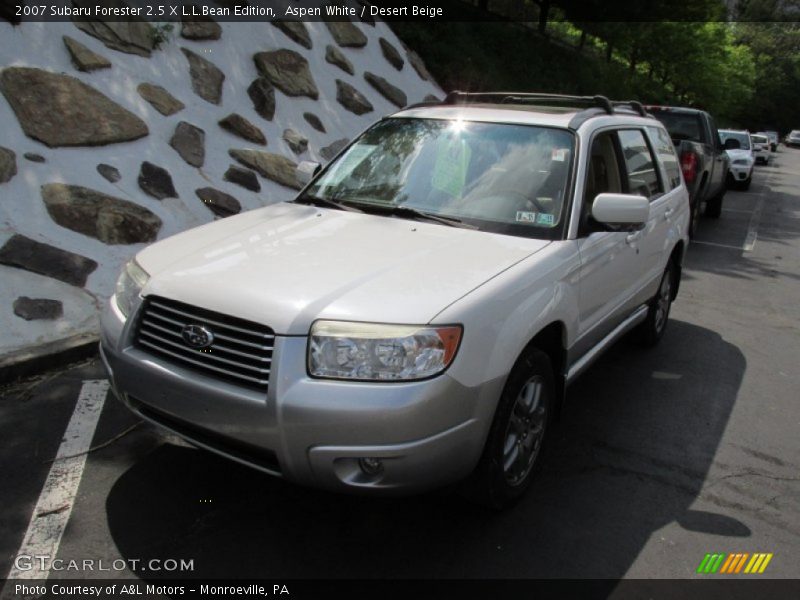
(325, 203)
(413, 213)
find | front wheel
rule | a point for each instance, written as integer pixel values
(516, 438)
(652, 328)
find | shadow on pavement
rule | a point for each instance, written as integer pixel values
(631, 454)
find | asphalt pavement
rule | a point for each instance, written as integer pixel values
(660, 456)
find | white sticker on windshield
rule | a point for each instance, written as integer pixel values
(524, 216)
(545, 219)
(560, 154)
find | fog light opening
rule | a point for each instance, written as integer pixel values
(370, 466)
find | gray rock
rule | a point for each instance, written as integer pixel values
(243, 177)
(206, 77)
(392, 93)
(288, 71)
(160, 99)
(240, 126)
(220, 203)
(83, 58)
(156, 181)
(335, 57)
(328, 152)
(8, 164)
(35, 309)
(418, 64)
(108, 172)
(262, 94)
(24, 253)
(276, 167)
(391, 54)
(314, 121)
(131, 37)
(60, 110)
(296, 142)
(296, 31)
(201, 28)
(106, 218)
(346, 34)
(351, 98)
(37, 158)
(189, 141)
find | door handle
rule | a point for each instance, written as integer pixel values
(632, 237)
(668, 213)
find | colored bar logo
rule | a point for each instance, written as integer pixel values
(735, 563)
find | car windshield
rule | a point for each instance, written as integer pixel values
(502, 178)
(759, 139)
(740, 136)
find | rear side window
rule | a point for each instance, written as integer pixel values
(640, 167)
(666, 153)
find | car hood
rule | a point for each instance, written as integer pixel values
(738, 154)
(286, 265)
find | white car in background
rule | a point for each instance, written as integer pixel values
(740, 172)
(761, 147)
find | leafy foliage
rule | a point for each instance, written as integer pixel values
(740, 61)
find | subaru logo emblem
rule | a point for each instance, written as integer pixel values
(197, 336)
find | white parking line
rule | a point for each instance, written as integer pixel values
(755, 219)
(55, 503)
(730, 247)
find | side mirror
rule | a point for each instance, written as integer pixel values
(306, 171)
(624, 211)
(732, 144)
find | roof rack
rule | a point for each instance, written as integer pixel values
(634, 105)
(592, 106)
(602, 102)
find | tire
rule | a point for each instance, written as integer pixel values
(745, 185)
(714, 204)
(693, 220)
(520, 426)
(652, 328)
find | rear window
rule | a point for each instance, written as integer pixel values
(682, 126)
(759, 139)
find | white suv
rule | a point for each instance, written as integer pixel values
(414, 316)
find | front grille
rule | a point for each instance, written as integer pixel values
(241, 352)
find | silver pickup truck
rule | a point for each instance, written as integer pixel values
(704, 161)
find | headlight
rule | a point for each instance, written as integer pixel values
(129, 286)
(376, 352)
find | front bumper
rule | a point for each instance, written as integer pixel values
(311, 431)
(741, 172)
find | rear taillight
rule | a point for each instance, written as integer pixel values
(689, 166)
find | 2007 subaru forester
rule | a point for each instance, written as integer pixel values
(413, 317)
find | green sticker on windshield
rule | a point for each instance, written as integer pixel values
(450, 169)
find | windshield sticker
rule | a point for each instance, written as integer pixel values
(450, 169)
(524, 216)
(545, 219)
(560, 154)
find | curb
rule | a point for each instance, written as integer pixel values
(47, 357)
